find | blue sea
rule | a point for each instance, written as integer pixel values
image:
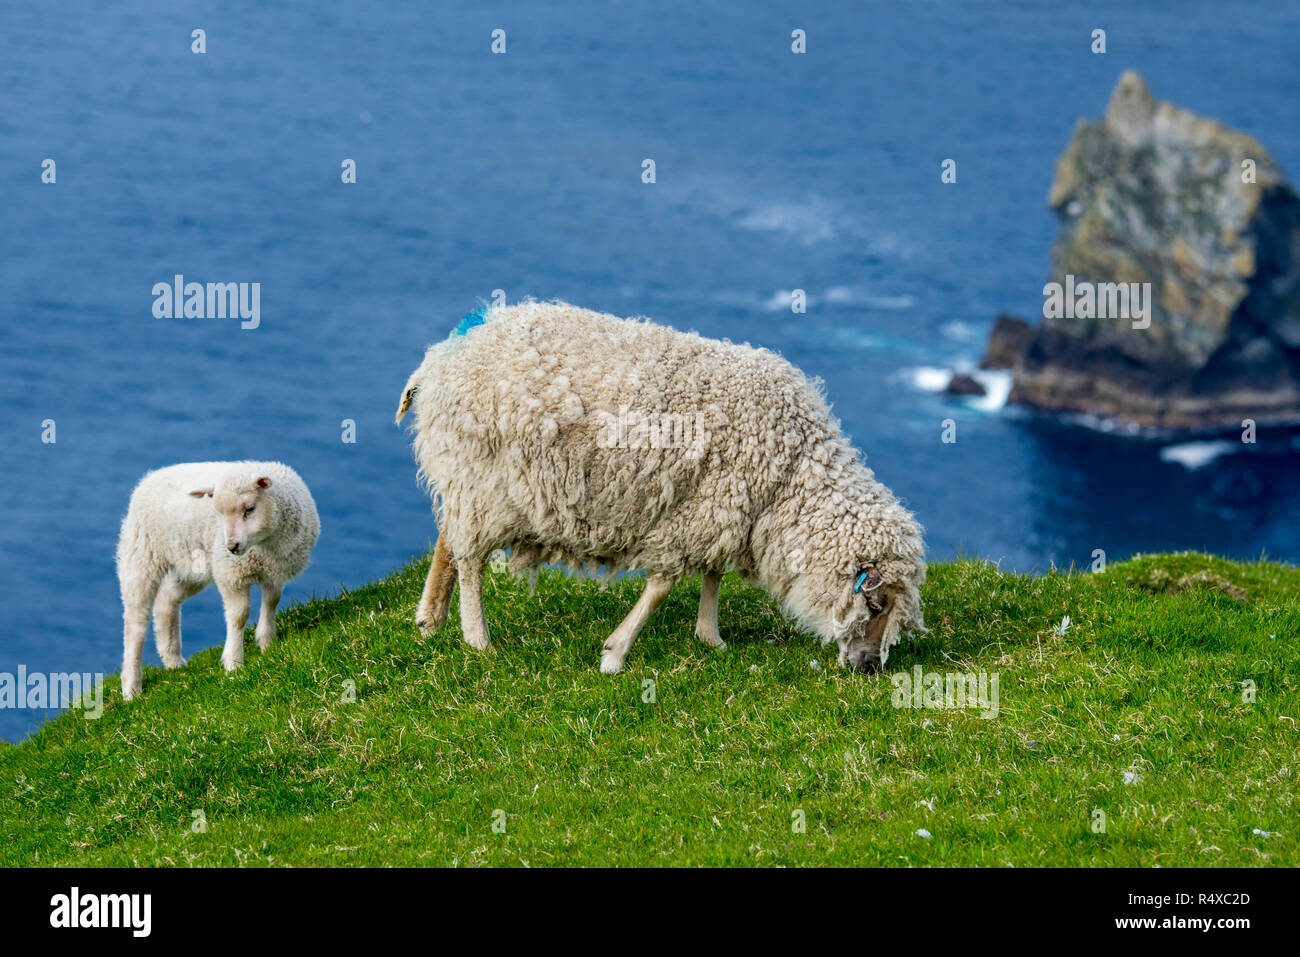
(522, 172)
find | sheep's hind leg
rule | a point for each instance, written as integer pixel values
(616, 647)
(167, 619)
(473, 623)
(706, 627)
(431, 613)
(136, 602)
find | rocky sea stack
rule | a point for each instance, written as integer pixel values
(1156, 201)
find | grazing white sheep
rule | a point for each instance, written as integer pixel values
(233, 523)
(573, 437)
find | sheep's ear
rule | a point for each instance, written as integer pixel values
(263, 482)
(202, 493)
(407, 398)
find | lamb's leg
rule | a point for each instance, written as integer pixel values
(436, 599)
(167, 621)
(706, 627)
(237, 608)
(266, 617)
(616, 647)
(473, 623)
(137, 598)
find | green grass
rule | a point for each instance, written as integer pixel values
(1148, 679)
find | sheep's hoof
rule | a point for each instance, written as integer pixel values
(713, 640)
(610, 663)
(129, 691)
(174, 663)
(429, 624)
(262, 646)
(231, 665)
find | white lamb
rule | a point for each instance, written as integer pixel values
(573, 437)
(233, 523)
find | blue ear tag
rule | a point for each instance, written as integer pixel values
(861, 579)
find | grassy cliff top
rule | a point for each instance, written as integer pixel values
(1137, 711)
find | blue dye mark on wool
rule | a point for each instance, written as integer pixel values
(472, 319)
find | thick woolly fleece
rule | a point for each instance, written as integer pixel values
(174, 543)
(575, 437)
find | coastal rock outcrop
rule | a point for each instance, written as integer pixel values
(1007, 342)
(1176, 302)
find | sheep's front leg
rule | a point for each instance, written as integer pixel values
(706, 626)
(266, 617)
(237, 608)
(436, 599)
(473, 623)
(616, 647)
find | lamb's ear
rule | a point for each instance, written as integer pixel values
(407, 398)
(263, 482)
(202, 493)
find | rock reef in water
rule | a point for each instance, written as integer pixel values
(1197, 222)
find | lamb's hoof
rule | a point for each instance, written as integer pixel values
(231, 665)
(174, 663)
(130, 690)
(610, 663)
(428, 626)
(483, 645)
(262, 646)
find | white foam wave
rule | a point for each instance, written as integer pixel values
(957, 330)
(997, 386)
(780, 301)
(928, 378)
(809, 222)
(838, 296)
(1195, 455)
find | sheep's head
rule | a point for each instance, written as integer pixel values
(878, 600)
(870, 578)
(848, 567)
(246, 507)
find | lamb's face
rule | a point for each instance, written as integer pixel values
(246, 509)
